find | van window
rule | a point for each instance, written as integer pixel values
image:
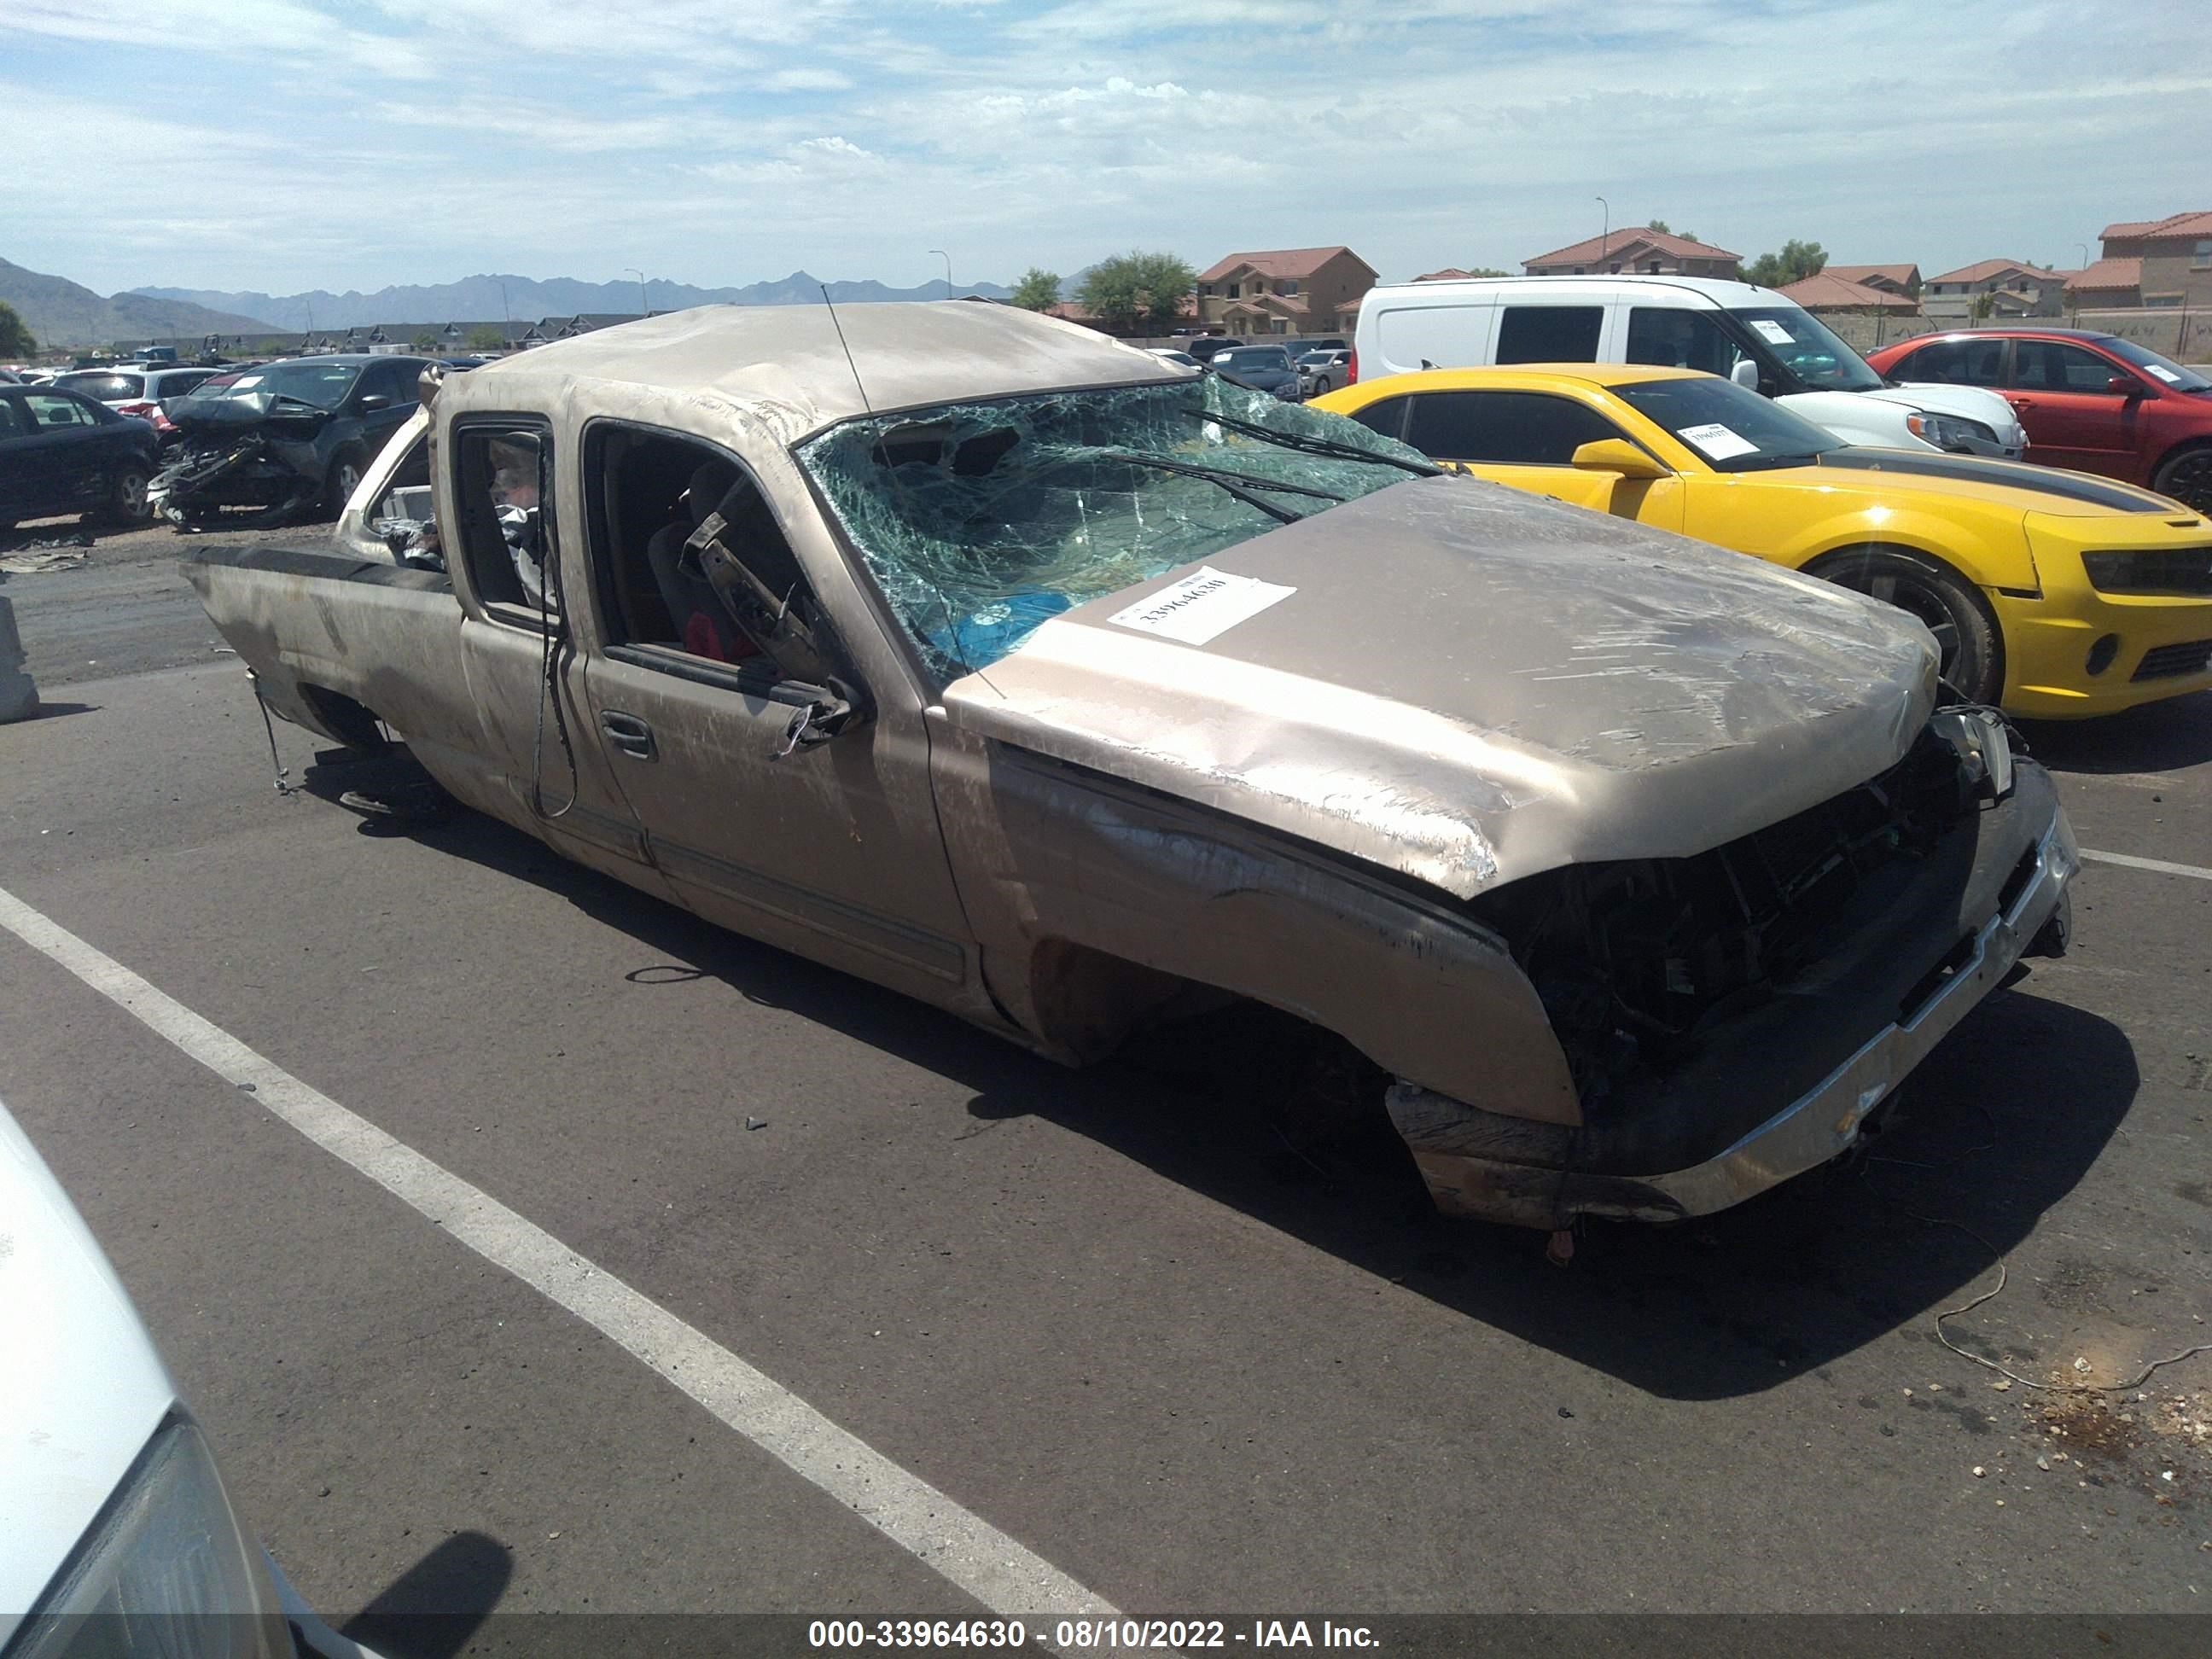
(1674, 338)
(1445, 336)
(1549, 334)
(1512, 428)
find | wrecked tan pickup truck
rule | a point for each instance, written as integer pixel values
(979, 655)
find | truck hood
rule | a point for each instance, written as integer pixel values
(83, 1388)
(1468, 684)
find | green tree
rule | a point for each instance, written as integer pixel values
(1665, 229)
(1488, 271)
(1137, 287)
(15, 340)
(425, 339)
(1794, 264)
(1984, 306)
(486, 337)
(1037, 289)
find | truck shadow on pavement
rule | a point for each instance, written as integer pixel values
(2157, 737)
(1995, 1129)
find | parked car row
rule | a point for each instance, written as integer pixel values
(1750, 335)
(2050, 593)
(2087, 399)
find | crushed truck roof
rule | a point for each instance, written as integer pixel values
(786, 366)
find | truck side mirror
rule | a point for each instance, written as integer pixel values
(1745, 373)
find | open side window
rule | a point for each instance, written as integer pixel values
(503, 486)
(693, 573)
(405, 497)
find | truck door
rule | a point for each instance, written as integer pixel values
(766, 806)
(540, 767)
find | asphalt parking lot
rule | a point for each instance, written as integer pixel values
(1181, 1350)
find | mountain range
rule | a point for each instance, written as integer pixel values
(524, 300)
(58, 311)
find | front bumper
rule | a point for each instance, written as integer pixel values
(2048, 642)
(1818, 1124)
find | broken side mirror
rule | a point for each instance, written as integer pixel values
(829, 710)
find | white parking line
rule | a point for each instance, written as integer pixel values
(965, 1548)
(2159, 865)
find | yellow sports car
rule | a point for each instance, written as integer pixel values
(2051, 593)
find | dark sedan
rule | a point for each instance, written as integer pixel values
(60, 452)
(1263, 369)
(288, 438)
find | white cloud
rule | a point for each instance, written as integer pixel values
(1424, 132)
(807, 80)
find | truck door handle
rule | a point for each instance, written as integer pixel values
(2023, 403)
(627, 733)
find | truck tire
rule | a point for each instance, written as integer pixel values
(2186, 476)
(1964, 629)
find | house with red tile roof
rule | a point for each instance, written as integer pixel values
(2014, 289)
(2110, 284)
(1901, 279)
(2173, 259)
(1637, 252)
(1295, 290)
(1826, 290)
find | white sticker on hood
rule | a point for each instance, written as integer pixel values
(1717, 441)
(1206, 603)
(1773, 331)
(2164, 374)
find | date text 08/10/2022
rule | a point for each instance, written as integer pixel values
(1086, 1634)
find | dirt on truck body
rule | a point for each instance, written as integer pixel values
(1052, 683)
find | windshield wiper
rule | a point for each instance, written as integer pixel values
(1239, 484)
(1315, 445)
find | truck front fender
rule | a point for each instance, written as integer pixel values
(1096, 903)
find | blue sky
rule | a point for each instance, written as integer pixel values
(287, 144)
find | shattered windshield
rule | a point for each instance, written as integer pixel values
(323, 385)
(979, 520)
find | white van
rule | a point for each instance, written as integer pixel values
(1752, 335)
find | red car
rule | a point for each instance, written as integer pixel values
(2093, 402)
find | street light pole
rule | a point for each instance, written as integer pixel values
(947, 257)
(643, 309)
(1605, 236)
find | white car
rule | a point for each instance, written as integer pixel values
(1323, 370)
(119, 1538)
(1750, 335)
(1183, 359)
(135, 389)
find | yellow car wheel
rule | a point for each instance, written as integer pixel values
(1945, 602)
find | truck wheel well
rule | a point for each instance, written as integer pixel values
(1312, 1082)
(352, 724)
